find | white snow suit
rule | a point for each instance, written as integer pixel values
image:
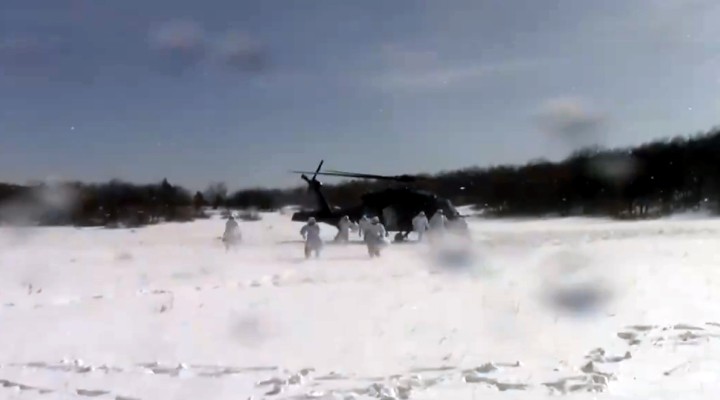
(420, 225)
(344, 228)
(363, 225)
(311, 233)
(232, 235)
(375, 238)
(438, 224)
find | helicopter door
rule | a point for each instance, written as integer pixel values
(390, 218)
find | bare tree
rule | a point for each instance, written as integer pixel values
(216, 194)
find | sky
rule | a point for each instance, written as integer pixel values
(244, 91)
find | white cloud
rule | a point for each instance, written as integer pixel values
(180, 44)
(410, 69)
(184, 43)
(177, 35)
(239, 50)
(447, 76)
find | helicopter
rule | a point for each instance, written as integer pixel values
(395, 206)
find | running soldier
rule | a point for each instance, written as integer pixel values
(311, 233)
(232, 235)
(375, 237)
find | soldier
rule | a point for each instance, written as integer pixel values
(420, 225)
(311, 233)
(438, 224)
(344, 228)
(363, 225)
(375, 237)
(232, 235)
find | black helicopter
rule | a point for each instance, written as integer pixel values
(396, 207)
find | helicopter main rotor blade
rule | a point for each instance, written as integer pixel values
(319, 173)
(397, 178)
(401, 178)
(318, 168)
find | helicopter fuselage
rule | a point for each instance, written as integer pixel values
(396, 207)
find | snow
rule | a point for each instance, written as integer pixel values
(578, 307)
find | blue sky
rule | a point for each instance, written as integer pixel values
(243, 91)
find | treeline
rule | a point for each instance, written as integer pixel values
(655, 179)
(123, 204)
(115, 203)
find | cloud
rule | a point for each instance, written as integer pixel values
(446, 76)
(45, 58)
(56, 48)
(570, 118)
(238, 50)
(181, 44)
(413, 69)
(184, 44)
(183, 35)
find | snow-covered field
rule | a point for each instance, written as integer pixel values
(571, 307)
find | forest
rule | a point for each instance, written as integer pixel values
(648, 181)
